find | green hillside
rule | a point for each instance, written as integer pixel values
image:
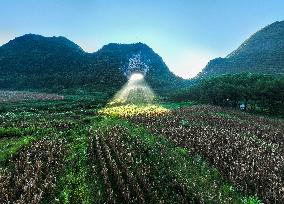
(263, 52)
(57, 64)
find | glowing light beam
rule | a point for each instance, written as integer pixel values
(135, 91)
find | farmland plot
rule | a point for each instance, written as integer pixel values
(16, 96)
(248, 150)
(75, 152)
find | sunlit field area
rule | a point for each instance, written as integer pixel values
(83, 151)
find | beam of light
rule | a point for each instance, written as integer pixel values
(135, 91)
(134, 98)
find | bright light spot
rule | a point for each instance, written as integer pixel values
(136, 77)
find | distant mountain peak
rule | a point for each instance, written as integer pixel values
(135, 57)
(135, 47)
(264, 39)
(262, 52)
(27, 40)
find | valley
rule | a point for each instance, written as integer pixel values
(118, 126)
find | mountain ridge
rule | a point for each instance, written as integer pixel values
(35, 61)
(262, 52)
(56, 63)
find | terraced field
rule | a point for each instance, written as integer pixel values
(73, 151)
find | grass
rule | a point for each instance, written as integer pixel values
(74, 185)
(10, 132)
(176, 105)
(10, 147)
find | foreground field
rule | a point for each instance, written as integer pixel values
(248, 151)
(72, 151)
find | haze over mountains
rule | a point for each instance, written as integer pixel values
(55, 63)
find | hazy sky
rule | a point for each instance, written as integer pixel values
(185, 33)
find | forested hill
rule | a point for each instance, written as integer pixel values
(57, 64)
(263, 52)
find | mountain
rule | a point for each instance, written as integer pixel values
(137, 57)
(56, 63)
(263, 52)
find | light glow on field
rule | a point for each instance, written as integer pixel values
(134, 98)
(131, 110)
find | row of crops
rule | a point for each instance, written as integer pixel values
(33, 172)
(70, 152)
(137, 167)
(37, 142)
(248, 150)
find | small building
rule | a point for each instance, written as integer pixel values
(242, 106)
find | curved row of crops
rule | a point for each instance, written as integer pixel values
(247, 150)
(32, 173)
(137, 167)
(66, 153)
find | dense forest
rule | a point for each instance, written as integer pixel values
(258, 92)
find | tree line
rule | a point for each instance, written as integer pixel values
(256, 92)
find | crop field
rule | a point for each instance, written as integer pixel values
(81, 151)
(16, 96)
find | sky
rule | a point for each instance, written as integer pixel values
(185, 33)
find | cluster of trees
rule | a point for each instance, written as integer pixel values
(257, 92)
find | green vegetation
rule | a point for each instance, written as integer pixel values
(74, 183)
(9, 147)
(55, 64)
(77, 146)
(258, 92)
(77, 153)
(176, 105)
(185, 176)
(241, 147)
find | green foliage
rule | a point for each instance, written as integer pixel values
(176, 105)
(258, 92)
(175, 172)
(251, 200)
(74, 183)
(69, 120)
(10, 147)
(10, 132)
